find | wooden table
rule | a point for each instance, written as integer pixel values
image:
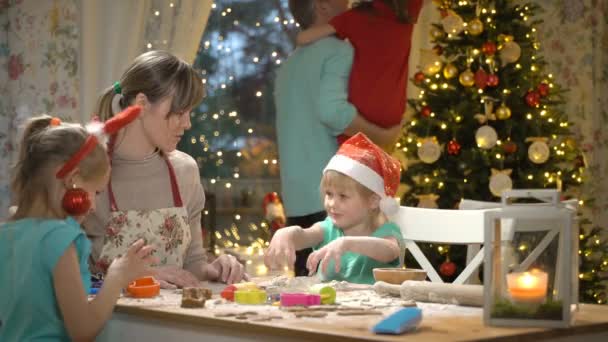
(163, 320)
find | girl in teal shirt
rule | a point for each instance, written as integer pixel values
(359, 184)
(44, 277)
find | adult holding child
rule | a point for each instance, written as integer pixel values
(155, 192)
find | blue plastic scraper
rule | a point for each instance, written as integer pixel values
(399, 322)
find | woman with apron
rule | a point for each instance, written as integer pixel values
(155, 192)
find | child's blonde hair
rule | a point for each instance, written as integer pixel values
(44, 148)
(338, 180)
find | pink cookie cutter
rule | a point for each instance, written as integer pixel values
(304, 299)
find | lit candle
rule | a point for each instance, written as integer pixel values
(530, 287)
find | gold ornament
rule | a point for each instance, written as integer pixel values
(436, 33)
(475, 27)
(510, 52)
(539, 151)
(503, 112)
(452, 23)
(450, 71)
(467, 78)
(429, 150)
(500, 181)
(486, 137)
(571, 143)
(427, 201)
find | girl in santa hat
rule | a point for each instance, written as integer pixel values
(45, 277)
(359, 184)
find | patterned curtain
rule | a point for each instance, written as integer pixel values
(39, 52)
(574, 40)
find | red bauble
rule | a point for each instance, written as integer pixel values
(509, 147)
(76, 202)
(419, 77)
(532, 98)
(493, 80)
(426, 111)
(443, 13)
(481, 78)
(543, 89)
(447, 269)
(453, 147)
(438, 50)
(488, 48)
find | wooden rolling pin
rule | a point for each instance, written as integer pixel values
(425, 291)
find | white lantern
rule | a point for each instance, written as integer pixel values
(529, 266)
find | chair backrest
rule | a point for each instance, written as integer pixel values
(442, 226)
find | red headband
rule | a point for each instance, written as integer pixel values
(110, 127)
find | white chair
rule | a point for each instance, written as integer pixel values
(442, 226)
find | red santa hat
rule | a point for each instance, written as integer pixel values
(365, 162)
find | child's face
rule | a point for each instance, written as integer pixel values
(346, 207)
(164, 130)
(94, 187)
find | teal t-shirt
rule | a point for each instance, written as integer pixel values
(356, 268)
(29, 251)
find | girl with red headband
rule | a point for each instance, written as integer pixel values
(45, 277)
(155, 191)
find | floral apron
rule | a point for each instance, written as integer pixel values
(167, 229)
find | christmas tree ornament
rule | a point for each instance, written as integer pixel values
(431, 63)
(428, 201)
(488, 48)
(429, 150)
(447, 268)
(426, 111)
(436, 33)
(500, 181)
(76, 202)
(419, 77)
(503, 112)
(532, 98)
(437, 49)
(486, 137)
(452, 23)
(543, 89)
(274, 212)
(450, 71)
(492, 80)
(510, 52)
(453, 147)
(509, 147)
(481, 78)
(466, 78)
(488, 105)
(475, 27)
(538, 151)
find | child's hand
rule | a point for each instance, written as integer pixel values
(281, 250)
(332, 251)
(134, 264)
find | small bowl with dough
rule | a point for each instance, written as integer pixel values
(398, 275)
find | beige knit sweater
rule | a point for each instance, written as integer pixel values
(145, 184)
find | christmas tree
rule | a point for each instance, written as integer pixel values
(488, 118)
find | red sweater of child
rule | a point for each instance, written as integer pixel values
(378, 79)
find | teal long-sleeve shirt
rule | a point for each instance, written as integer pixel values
(311, 91)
